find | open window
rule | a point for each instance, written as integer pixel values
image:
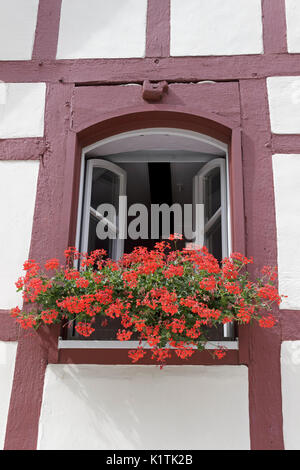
(210, 189)
(105, 183)
(148, 168)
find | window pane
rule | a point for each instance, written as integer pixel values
(212, 188)
(105, 190)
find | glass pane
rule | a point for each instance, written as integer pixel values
(212, 193)
(105, 190)
(105, 187)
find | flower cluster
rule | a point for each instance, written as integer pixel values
(169, 298)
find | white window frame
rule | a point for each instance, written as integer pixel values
(222, 211)
(118, 244)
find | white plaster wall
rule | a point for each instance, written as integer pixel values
(22, 108)
(18, 181)
(7, 366)
(102, 29)
(286, 169)
(284, 103)
(216, 27)
(143, 407)
(17, 28)
(292, 8)
(290, 383)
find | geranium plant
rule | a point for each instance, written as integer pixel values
(168, 297)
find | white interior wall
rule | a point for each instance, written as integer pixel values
(18, 182)
(143, 407)
(7, 366)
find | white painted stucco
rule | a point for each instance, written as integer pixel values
(17, 28)
(292, 8)
(7, 366)
(290, 383)
(216, 27)
(22, 108)
(18, 181)
(286, 169)
(102, 29)
(284, 103)
(143, 407)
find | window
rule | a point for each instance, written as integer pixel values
(105, 183)
(147, 184)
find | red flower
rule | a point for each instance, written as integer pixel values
(136, 354)
(20, 283)
(208, 283)
(124, 335)
(245, 313)
(184, 353)
(193, 333)
(97, 277)
(71, 274)
(220, 353)
(104, 296)
(177, 326)
(52, 264)
(84, 329)
(29, 264)
(115, 309)
(81, 282)
(270, 272)
(173, 271)
(15, 312)
(229, 269)
(71, 252)
(48, 316)
(241, 258)
(27, 322)
(130, 278)
(161, 354)
(165, 296)
(232, 287)
(267, 322)
(269, 292)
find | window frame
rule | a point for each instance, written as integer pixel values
(87, 165)
(118, 244)
(224, 209)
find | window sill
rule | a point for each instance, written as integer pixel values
(90, 344)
